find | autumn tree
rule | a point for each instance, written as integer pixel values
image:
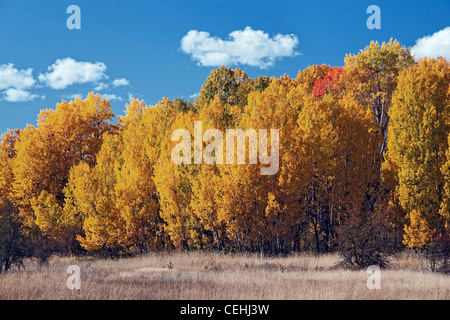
(91, 194)
(198, 189)
(339, 146)
(373, 74)
(182, 105)
(13, 245)
(329, 83)
(136, 193)
(272, 200)
(232, 86)
(243, 209)
(362, 155)
(174, 187)
(205, 180)
(445, 205)
(418, 148)
(63, 137)
(260, 83)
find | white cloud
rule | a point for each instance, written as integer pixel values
(15, 83)
(19, 95)
(437, 44)
(67, 71)
(121, 82)
(112, 97)
(101, 86)
(248, 46)
(11, 77)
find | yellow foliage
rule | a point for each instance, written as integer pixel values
(378, 134)
(418, 146)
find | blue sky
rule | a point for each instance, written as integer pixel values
(134, 48)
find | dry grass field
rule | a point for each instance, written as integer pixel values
(206, 275)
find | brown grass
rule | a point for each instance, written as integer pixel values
(206, 275)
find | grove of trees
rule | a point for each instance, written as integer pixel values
(364, 168)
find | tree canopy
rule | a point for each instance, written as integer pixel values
(364, 145)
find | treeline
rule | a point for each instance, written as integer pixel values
(364, 168)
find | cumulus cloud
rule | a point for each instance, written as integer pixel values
(11, 77)
(18, 95)
(67, 71)
(121, 82)
(13, 82)
(248, 46)
(437, 44)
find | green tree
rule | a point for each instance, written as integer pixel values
(232, 86)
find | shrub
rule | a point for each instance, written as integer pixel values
(366, 239)
(12, 243)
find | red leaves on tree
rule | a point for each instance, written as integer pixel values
(328, 83)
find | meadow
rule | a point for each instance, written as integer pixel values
(217, 276)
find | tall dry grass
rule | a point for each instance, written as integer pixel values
(206, 275)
